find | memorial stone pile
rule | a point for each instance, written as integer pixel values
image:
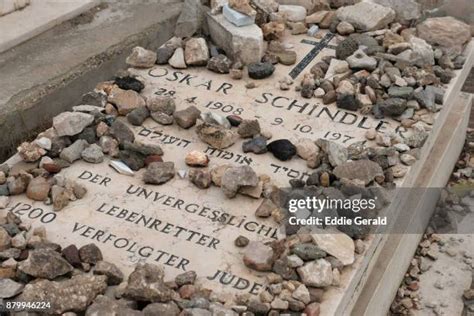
(382, 68)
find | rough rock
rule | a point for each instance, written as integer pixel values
(260, 70)
(308, 251)
(10, 288)
(196, 159)
(405, 10)
(363, 170)
(258, 256)
(71, 123)
(446, 32)
(282, 149)
(177, 60)
(294, 13)
(196, 52)
(154, 309)
(400, 92)
(73, 152)
(337, 154)
(337, 244)
(215, 119)
(122, 132)
(393, 106)
(45, 264)
(125, 100)
(242, 6)
(273, 30)
(138, 116)
(216, 136)
(162, 118)
(187, 118)
(5, 239)
(146, 283)
(248, 128)
(104, 305)
(266, 208)
(90, 253)
(219, 64)
(93, 154)
(305, 148)
(344, 49)
(360, 60)
(345, 28)
(243, 43)
(141, 58)
(316, 273)
(110, 270)
(159, 172)
(164, 104)
(423, 52)
(257, 145)
(235, 178)
(164, 54)
(72, 295)
(71, 254)
(190, 20)
(365, 16)
(38, 189)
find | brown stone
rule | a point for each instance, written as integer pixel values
(38, 189)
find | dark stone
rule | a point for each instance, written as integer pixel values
(308, 251)
(400, 92)
(234, 120)
(307, 91)
(163, 54)
(138, 116)
(88, 134)
(297, 183)
(260, 70)
(71, 254)
(346, 48)
(281, 268)
(133, 159)
(393, 106)
(241, 241)
(4, 190)
(426, 98)
(282, 149)
(257, 145)
(219, 64)
(347, 102)
(330, 97)
(129, 83)
(96, 98)
(122, 132)
(90, 253)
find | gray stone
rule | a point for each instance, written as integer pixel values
(400, 92)
(345, 49)
(248, 128)
(216, 136)
(10, 288)
(244, 43)
(138, 116)
(215, 119)
(122, 132)
(393, 106)
(162, 118)
(72, 295)
(337, 154)
(93, 154)
(71, 123)
(90, 253)
(164, 104)
(110, 270)
(219, 64)
(159, 172)
(155, 309)
(337, 244)
(423, 50)
(104, 305)
(316, 273)
(190, 20)
(446, 32)
(141, 58)
(186, 278)
(258, 256)
(235, 178)
(360, 60)
(187, 118)
(365, 16)
(426, 98)
(146, 283)
(257, 145)
(308, 251)
(237, 18)
(294, 13)
(73, 152)
(164, 54)
(45, 264)
(406, 10)
(363, 170)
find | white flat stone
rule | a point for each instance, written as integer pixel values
(245, 42)
(237, 18)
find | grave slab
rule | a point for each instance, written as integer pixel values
(185, 228)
